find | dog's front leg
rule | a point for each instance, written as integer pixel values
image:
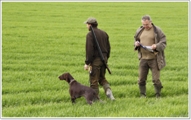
(72, 96)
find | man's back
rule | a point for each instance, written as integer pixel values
(103, 40)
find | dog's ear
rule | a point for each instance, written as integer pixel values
(66, 76)
(70, 76)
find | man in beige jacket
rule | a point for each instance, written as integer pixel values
(150, 42)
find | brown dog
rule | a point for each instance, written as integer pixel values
(77, 90)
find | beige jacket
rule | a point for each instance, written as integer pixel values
(160, 41)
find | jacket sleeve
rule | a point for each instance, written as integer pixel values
(161, 40)
(89, 48)
(136, 38)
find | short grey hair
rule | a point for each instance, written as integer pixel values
(146, 17)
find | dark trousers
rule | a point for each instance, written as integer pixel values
(144, 67)
(97, 76)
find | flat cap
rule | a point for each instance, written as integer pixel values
(91, 20)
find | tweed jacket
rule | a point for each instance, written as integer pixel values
(91, 49)
(160, 41)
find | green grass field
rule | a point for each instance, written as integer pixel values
(41, 40)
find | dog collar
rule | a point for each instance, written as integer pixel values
(72, 81)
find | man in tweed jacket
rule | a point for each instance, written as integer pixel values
(151, 36)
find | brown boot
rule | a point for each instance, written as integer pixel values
(142, 91)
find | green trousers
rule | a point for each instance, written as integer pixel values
(144, 67)
(97, 75)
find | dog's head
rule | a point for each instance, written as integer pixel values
(66, 76)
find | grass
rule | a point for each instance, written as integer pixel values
(41, 40)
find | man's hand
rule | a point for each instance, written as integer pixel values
(153, 46)
(86, 67)
(137, 43)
